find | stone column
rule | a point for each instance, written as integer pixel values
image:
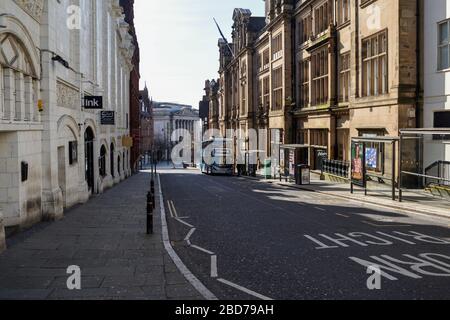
(9, 88)
(28, 98)
(2, 234)
(20, 96)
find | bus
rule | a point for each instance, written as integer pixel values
(216, 157)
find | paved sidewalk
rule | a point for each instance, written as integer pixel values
(106, 239)
(413, 202)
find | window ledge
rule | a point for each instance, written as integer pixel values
(367, 3)
(443, 70)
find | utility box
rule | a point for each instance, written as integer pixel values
(303, 175)
(267, 170)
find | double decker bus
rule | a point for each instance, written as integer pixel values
(216, 157)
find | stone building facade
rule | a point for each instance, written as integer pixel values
(322, 72)
(53, 152)
(356, 73)
(135, 110)
(436, 77)
(167, 118)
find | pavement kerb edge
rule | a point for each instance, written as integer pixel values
(415, 211)
(193, 280)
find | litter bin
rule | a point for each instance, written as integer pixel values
(302, 175)
(267, 171)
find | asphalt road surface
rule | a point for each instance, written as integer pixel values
(246, 239)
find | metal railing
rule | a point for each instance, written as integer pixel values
(336, 167)
(438, 174)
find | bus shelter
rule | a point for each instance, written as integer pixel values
(365, 158)
(431, 169)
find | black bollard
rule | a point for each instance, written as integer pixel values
(149, 213)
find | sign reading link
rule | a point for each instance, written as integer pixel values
(93, 102)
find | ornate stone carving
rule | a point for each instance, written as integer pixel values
(32, 7)
(67, 96)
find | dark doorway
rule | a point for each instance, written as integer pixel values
(89, 157)
(111, 157)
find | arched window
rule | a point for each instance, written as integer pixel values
(102, 161)
(19, 86)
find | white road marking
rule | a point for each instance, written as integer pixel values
(170, 208)
(214, 273)
(240, 288)
(385, 225)
(174, 209)
(342, 215)
(200, 287)
(189, 235)
(203, 250)
(184, 222)
(320, 209)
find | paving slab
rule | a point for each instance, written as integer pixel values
(107, 239)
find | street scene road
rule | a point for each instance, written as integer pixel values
(247, 239)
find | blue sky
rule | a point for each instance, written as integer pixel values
(178, 42)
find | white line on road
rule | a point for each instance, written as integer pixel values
(184, 222)
(200, 287)
(342, 215)
(170, 208)
(250, 292)
(320, 209)
(189, 235)
(203, 250)
(385, 225)
(174, 209)
(214, 273)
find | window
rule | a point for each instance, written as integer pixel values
(73, 152)
(277, 46)
(305, 29)
(444, 45)
(243, 98)
(344, 78)
(319, 137)
(302, 137)
(277, 89)
(375, 65)
(266, 90)
(304, 83)
(319, 69)
(322, 18)
(343, 11)
(441, 120)
(260, 92)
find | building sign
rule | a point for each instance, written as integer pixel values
(127, 141)
(93, 102)
(107, 118)
(358, 164)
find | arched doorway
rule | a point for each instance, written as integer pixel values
(111, 159)
(102, 161)
(89, 157)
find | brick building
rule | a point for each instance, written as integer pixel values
(146, 125)
(135, 113)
